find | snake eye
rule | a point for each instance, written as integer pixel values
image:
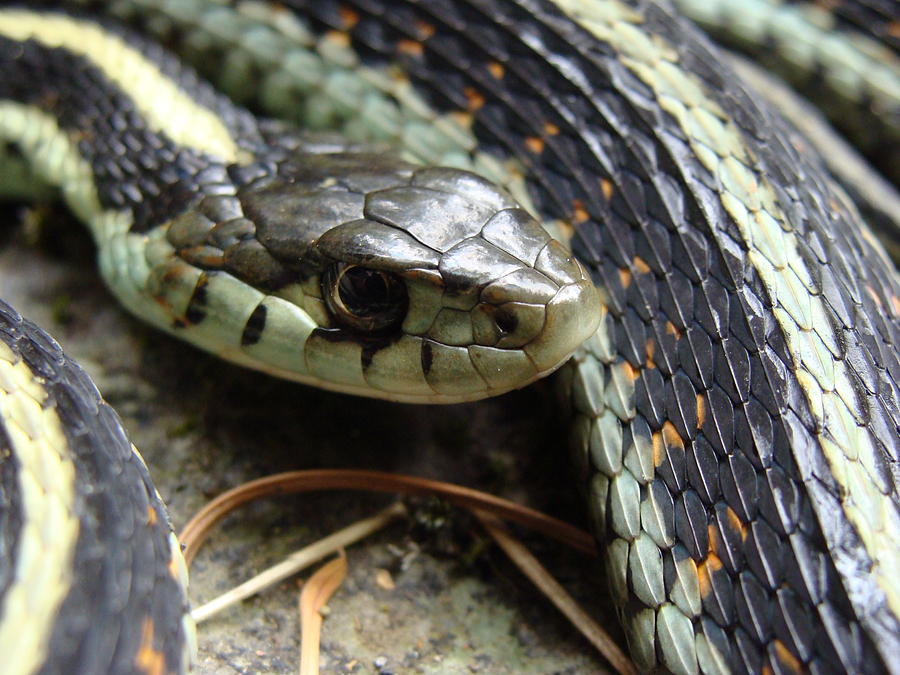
(364, 299)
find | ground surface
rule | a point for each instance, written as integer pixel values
(204, 426)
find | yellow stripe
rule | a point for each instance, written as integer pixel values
(49, 531)
(160, 102)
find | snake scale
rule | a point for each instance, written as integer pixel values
(726, 323)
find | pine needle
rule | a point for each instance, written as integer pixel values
(302, 559)
(555, 593)
(488, 508)
(314, 595)
(198, 528)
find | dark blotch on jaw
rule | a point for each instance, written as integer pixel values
(427, 357)
(365, 358)
(370, 344)
(196, 309)
(254, 327)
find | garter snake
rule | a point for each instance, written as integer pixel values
(734, 417)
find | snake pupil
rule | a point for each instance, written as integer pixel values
(365, 299)
(363, 290)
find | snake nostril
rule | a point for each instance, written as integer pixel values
(506, 321)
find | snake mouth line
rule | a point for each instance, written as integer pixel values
(435, 373)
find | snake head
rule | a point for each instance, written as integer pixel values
(461, 289)
(417, 284)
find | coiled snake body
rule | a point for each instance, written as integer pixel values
(733, 389)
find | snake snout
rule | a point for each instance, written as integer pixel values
(546, 307)
(572, 316)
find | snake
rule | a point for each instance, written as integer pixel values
(722, 321)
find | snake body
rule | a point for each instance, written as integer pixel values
(79, 527)
(843, 59)
(734, 415)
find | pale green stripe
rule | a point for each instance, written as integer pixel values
(165, 106)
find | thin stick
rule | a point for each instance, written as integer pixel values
(550, 587)
(313, 597)
(301, 559)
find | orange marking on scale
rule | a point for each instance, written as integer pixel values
(425, 30)
(475, 98)
(535, 144)
(579, 213)
(606, 187)
(496, 69)
(349, 17)
(640, 265)
(409, 47)
(650, 351)
(735, 522)
(671, 436)
(148, 659)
